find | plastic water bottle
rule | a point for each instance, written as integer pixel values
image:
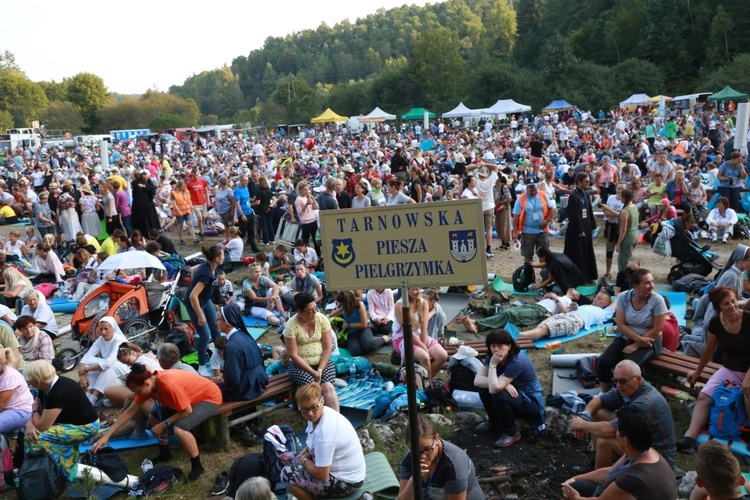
(602, 331)
(467, 399)
(352, 369)
(147, 465)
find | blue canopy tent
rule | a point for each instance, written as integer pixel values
(560, 105)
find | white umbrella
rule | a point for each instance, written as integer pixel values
(131, 260)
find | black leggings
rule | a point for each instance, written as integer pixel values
(362, 342)
(308, 230)
(502, 410)
(380, 330)
(613, 355)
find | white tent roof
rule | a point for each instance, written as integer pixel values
(462, 111)
(377, 115)
(506, 106)
(635, 100)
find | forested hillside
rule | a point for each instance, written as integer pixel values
(592, 52)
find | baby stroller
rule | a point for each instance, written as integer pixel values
(691, 258)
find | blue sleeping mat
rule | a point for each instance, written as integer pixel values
(678, 305)
(63, 305)
(125, 443)
(738, 447)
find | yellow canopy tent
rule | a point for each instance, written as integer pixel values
(657, 98)
(328, 116)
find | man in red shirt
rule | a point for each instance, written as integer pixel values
(198, 188)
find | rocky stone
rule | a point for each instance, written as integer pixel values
(558, 422)
(438, 419)
(367, 443)
(467, 419)
(687, 484)
(383, 432)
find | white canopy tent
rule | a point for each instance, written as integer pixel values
(377, 115)
(462, 111)
(506, 107)
(636, 100)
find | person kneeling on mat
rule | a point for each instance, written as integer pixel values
(570, 323)
(182, 401)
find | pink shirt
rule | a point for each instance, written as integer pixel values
(304, 211)
(11, 380)
(381, 304)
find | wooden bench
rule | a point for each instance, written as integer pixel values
(216, 428)
(480, 346)
(665, 368)
(660, 371)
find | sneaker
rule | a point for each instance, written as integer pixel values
(686, 445)
(490, 255)
(221, 484)
(724, 239)
(507, 440)
(713, 239)
(245, 436)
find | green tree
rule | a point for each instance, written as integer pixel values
(62, 116)
(299, 101)
(55, 91)
(152, 107)
(21, 97)
(87, 91)
(6, 121)
(638, 76)
(718, 50)
(8, 62)
(437, 65)
(529, 22)
(734, 74)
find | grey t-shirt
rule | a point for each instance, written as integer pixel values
(397, 199)
(641, 321)
(650, 400)
(454, 474)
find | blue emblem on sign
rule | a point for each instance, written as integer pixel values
(343, 252)
(463, 244)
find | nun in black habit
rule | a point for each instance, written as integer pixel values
(144, 211)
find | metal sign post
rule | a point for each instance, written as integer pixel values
(411, 392)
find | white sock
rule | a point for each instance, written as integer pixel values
(92, 398)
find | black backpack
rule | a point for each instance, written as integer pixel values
(180, 339)
(245, 467)
(523, 277)
(271, 455)
(39, 478)
(461, 378)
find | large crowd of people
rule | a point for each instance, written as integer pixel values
(533, 175)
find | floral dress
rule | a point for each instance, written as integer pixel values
(89, 217)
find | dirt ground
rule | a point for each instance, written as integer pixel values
(537, 466)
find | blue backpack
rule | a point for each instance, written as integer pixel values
(727, 415)
(271, 455)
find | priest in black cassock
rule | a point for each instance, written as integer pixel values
(579, 245)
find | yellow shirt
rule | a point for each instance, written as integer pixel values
(93, 242)
(310, 348)
(109, 246)
(6, 211)
(121, 180)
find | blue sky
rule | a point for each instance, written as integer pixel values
(135, 46)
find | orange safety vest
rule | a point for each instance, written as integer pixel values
(182, 205)
(522, 200)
